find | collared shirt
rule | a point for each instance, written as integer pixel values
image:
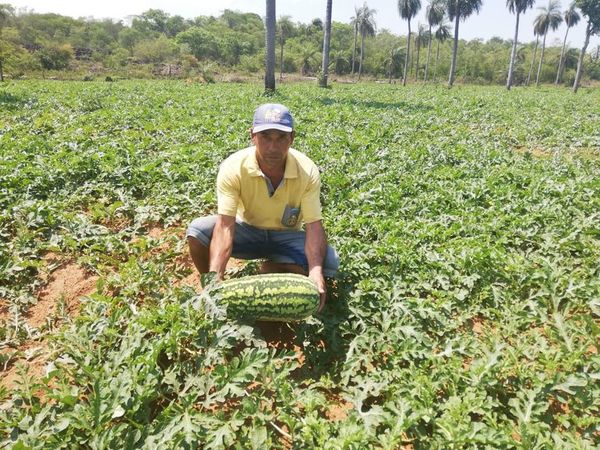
(242, 191)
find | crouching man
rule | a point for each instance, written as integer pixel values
(264, 194)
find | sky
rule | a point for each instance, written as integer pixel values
(493, 20)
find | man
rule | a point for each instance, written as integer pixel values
(264, 194)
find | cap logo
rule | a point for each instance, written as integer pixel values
(272, 115)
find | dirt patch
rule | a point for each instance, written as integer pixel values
(338, 410)
(477, 325)
(537, 152)
(68, 283)
(4, 312)
(35, 357)
(184, 261)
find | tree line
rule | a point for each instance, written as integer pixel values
(33, 44)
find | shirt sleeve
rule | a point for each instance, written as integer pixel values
(228, 192)
(310, 204)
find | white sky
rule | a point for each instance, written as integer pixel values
(493, 20)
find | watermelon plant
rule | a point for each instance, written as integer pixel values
(466, 312)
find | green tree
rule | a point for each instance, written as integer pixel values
(459, 10)
(270, 46)
(591, 10)
(421, 39)
(442, 34)
(355, 21)
(548, 18)
(572, 18)
(537, 33)
(285, 29)
(55, 56)
(155, 51)
(408, 9)
(366, 27)
(6, 13)
(516, 7)
(434, 13)
(326, 46)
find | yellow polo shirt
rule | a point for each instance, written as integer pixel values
(242, 191)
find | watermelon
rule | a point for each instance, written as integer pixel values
(284, 297)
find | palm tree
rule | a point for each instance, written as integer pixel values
(591, 10)
(572, 18)
(366, 27)
(547, 18)
(391, 60)
(408, 9)
(434, 12)
(420, 39)
(442, 34)
(270, 47)
(285, 28)
(326, 42)
(537, 32)
(354, 21)
(516, 7)
(459, 10)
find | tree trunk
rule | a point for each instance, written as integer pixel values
(391, 64)
(362, 53)
(537, 41)
(428, 55)
(513, 55)
(588, 33)
(437, 58)
(454, 52)
(354, 50)
(560, 61)
(326, 42)
(270, 47)
(418, 44)
(281, 61)
(537, 78)
(1, 71)
(407, 56)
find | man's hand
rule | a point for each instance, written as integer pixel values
(316, 275)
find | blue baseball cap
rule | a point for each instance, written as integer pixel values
(272, 116)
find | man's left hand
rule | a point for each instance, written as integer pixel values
(317, 277)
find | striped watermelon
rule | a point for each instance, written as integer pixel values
(284, 297)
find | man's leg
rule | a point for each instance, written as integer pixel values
(199, 254)
(199, 233)
(288, 254)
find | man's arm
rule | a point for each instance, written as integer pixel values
(221, 244)
(315, 247)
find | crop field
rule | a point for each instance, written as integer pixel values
(466, 314)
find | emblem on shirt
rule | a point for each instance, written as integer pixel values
(273, 115)
(290, 216)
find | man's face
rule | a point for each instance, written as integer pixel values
(272, 148)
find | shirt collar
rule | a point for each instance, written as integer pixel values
(291, 165)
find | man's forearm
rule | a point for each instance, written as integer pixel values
(315, 246)
(221, 245)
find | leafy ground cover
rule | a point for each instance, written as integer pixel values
(466, 314)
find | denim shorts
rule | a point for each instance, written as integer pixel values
(253, 243)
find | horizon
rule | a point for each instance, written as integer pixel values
(493, 21)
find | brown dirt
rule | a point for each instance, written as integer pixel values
(4, 312)
(69, 282)
(193, 279)
(538, 152)
(477, 325)
(338, 410)
(35, 357)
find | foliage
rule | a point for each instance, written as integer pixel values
(465, 316)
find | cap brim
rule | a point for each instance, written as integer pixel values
(271, 126)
